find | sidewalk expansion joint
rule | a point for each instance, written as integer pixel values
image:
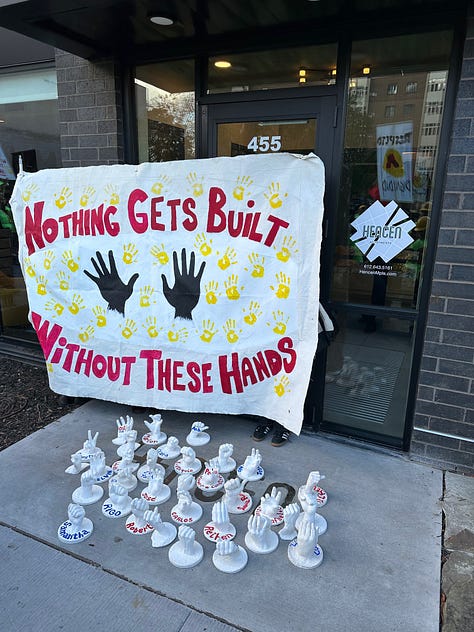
(99, 566)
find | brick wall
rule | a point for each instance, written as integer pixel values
(90, 112)
(445, 396)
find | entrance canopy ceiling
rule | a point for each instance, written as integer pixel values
(99, 28)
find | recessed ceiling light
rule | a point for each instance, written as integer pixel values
(222, 63)
(161, 20)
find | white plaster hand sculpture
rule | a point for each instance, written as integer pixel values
(210, 480)
(155, 436)
(163, 532)
(148, 469)
(290, 514)
(185, 483)
(186, 553)
(170, 450)
(186, 511)
(304, 551)
(235, 498)
(310, 514)
(188, 464)
(251, 470)
(312, 486)
(119, 503)
(126, 477)
(229, 557)
(198, 436)
(99, 469)
(77, 464)
(130, 442)
(87, 493)
(123, 426)
(270, 507)
(156, 492)
(89, 446)
(125, 461)
(220, 527)
(136, 523)
(77, 527)
(259, 537)
(226, 462)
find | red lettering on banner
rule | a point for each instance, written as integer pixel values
(47, 338)
(165, 374)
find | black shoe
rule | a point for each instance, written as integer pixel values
(261, 432)
(280, 437)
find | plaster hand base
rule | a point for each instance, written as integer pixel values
(243, 504)
(150, 439)
(193, 514)
(108, 473)
(135, 529)
(322, 496)
(72, 469)
(209, 490)
(181, 468)
(231, 563)
(167, 453)
(79, 497)
(214, 533)
(164, 495)
(180, 559)
(114, 511)
(271, 545)
(116, 466)
(253, 476)
(304, 562)
(68, 534)
(276, 518)
(201, 439)
(164, 535)
(145, 472)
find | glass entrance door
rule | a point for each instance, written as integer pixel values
(299, 126)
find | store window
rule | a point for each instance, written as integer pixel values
(391, 144)
(165, 102)
(383, 221)
(29, 129)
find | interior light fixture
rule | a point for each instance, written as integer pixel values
(366, 70)
(2, 121)
(222, 63)
(302, 72)
(161, 20)
(333, 72)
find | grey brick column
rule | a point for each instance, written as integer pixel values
(444, 416)
(90, 111)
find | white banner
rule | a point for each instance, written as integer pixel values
(394, 161)
(189, 285)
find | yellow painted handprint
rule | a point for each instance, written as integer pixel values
(69, 261)
(287, 249)
(240, 187)
(281, 385)
(49, 367)
(29, 191)
(129, 329)
(253, 313)
(41, 285)
(283, 288)
(54, 306)
(146, 293)
(257, 261)
(29, 267)
(280, 322)
(208, 330)
(229, 328)
(231, 288)
(100, 316)
(86, 334)
(63, 280)
(195, 183)
(150, 326)
(49, 257)
(87, 194)
(160, 254)
(63, 197)
(111, 191)
(177, 335)
(273, 195)
(211, 292)
(130, 253)
(77, 304)
(204, 244)
(160, 185)
(229, 258)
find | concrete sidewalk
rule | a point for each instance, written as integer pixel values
(382, 549)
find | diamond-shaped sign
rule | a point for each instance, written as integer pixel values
(382, 231)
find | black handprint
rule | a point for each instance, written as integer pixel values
(111, 286)
(184, 295)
